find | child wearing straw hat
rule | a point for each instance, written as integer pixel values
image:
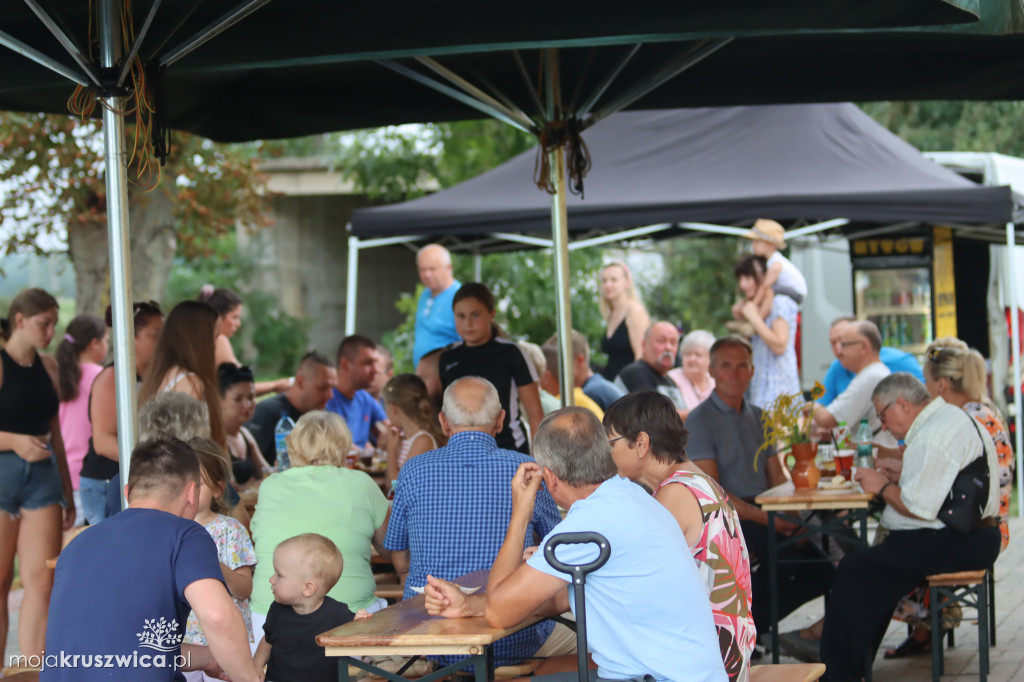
(782, 277)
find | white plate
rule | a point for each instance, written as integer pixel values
(829, 485)
(465, 590)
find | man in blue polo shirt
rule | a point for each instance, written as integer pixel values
(435, 321)
(837, 378)
(357, 365)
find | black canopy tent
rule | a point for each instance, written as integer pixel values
(247, 69)
(716, 165)
(665, 173)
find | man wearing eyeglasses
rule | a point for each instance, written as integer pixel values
(859, 347)
(941, 440)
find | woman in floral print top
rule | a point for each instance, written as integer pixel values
(648, 440)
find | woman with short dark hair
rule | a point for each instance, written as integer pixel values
(648, 442)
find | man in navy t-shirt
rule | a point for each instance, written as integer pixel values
(123, 588)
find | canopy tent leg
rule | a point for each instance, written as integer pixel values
(560, 236)
(123, 330)
(1011, 269)
(478, 267)
(352, 277)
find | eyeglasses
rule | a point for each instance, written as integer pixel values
(612, 440)
(881, 413)
(847, 344)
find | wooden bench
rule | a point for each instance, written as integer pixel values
(392, 593)
(787, 672)
(974, 588)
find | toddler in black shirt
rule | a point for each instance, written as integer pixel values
(306, 567)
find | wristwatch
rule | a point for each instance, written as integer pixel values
(881, 490)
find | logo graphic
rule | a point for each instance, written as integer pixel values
(160, 635)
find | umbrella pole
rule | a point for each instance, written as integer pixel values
(123, 330)
(352, 280)
(560, 237)
(1011, 269)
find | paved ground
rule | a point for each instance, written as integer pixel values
(1007, 658)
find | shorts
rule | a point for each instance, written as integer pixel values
(28, 485)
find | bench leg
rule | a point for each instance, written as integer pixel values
(983, 606)
(343, 669)
(990, 577)
(936, 618)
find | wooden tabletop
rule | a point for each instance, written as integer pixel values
(785, 497)
(405, 629)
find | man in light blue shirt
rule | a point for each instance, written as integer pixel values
(635, 626)
(435, 321)
(837, 378)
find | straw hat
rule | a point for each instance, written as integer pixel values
(768, 231)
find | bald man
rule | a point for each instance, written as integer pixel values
(435, 321)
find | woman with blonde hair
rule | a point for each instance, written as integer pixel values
(34, 479)
(956, 373)
(183, 361)
(626, 319)
(318, 495)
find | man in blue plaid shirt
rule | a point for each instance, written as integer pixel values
(452, 508)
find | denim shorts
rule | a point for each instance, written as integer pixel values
(28, 485)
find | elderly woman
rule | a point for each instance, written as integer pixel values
(774, 341)
(956, 373)
(693, 378)
(318, 495)
(648, 441)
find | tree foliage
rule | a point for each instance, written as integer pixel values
(954, 125)
(52, 171)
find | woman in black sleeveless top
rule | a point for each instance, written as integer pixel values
(625, 318)
(34, 480)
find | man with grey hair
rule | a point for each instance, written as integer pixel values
(661, 342)
(941, 441)
(435, 321)
(452, 506)
(860, 344)
(668, 634)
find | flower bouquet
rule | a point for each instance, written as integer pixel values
(787, 428)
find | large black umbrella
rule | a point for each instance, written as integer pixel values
(260, 69)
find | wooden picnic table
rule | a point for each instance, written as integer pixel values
(406, 629)
(785, 498)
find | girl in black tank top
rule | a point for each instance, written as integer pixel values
(34, 480)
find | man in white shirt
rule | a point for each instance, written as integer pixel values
(941, 440)
(860, 344)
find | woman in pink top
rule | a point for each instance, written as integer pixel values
(78, 361)
(693, 378)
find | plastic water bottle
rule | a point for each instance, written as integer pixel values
(281, 431)
(864, 446)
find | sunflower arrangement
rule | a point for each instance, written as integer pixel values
(783, 421)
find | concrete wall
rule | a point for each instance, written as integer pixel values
(305, 257)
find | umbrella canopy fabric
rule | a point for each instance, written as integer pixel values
(281, 69)
(724, 165)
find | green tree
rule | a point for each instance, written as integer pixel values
(954, 125)
(52, 170)
(698, 286)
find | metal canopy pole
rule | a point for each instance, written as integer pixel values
(352, 279)
(1011, 269)
(560, 236)
(123, 330)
